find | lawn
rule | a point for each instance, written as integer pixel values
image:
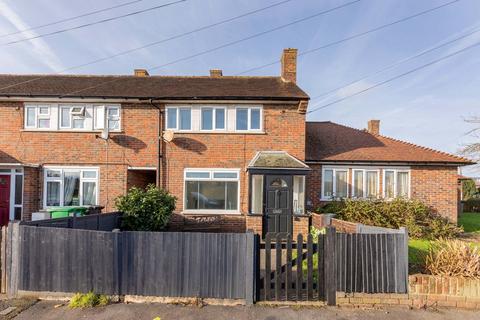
(470, 222)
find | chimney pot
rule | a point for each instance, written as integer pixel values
(374, 127)
(141, 73)
(289, 65)
(216, 73)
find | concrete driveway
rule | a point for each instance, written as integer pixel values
(46, 310)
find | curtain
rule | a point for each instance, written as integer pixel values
(372, 184)
(89, 193)
(358, 182)
(402, 187)
(53, 193)
(71, 188)
(341, 184)
(389, 184)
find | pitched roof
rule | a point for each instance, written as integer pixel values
(276, 160)
(151, 87)
(327, 141)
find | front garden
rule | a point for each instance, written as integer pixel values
(436, 246)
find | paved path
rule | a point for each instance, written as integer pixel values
(45, 310)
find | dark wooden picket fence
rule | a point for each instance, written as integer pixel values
(100, 222)
(292, 275)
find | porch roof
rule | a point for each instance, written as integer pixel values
(276, 160)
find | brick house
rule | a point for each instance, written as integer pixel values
(236, 151)
(352, 163)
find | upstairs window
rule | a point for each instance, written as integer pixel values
(37, 116)
(179, 118)
(248, 119)
(213, 119)
(72, 117)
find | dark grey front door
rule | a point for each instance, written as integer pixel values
(278, 204)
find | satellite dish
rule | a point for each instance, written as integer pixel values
(104, 134)
(168, 135)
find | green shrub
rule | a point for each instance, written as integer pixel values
(453, 258)
(88, 300)
(469, 189)
(413, 214)
(145, 210)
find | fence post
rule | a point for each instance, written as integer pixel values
(250, 267)
(13, 258)
(330, 269)
(405, 237)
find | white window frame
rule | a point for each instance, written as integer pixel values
(38, 116)
(72, 117)
(61, 180)
(113, 118)
(249, 118)
(214, 118)
(211, 171)
(395, 179)
(364, 181)
(334, 182)
(177, 124)
(13, 173)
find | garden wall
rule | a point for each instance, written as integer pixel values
(425, 291)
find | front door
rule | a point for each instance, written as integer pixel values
(4, 199)
(278, 204)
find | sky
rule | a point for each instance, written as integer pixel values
(428, 107)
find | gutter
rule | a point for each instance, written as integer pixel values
(159, 143)
(406, 163)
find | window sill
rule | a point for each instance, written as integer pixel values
(70, 131)
(220, 132)
(210, 212)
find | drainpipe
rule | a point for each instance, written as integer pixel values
(159, 145)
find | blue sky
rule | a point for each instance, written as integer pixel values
(427, 107)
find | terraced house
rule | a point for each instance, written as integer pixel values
(237, 152)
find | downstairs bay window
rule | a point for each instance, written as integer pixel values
(211, 190)
(70, 187)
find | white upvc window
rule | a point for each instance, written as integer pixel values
(365, 183)
(179, 118)
(396, 183)
(66, 186)
(72, 117)
(212, 190)
(213, 119)
(248, 119)
(37, 116)
(334, 183)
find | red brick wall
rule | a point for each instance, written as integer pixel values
(436, 186)
(284, 130)
(31, 192)
(135, 146)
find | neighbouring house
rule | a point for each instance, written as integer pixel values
(237, 152)
(352, 163)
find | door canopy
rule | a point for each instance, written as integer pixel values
(276, 160)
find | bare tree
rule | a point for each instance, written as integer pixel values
(472, 150)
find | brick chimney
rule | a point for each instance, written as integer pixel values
(289, 65)
(374, 127)
(216, 73)
(141, 73)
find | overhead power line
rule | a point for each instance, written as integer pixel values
(93, 23)
(397, 63)
(151, 44)
(70, 19)
(315, 108)
(361, 34)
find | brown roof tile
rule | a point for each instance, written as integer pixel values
(159, 87)
(327, 141)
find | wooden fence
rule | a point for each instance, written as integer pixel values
(372, 263)
(168, 264)
(293, 275)
(101, 222)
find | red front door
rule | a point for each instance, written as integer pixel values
(4, 200)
